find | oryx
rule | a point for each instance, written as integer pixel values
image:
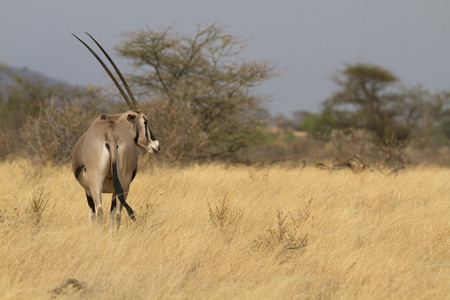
(105, 157)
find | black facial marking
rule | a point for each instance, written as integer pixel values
(151, 135)
(103, 117)
(146, 129)
(136, 138)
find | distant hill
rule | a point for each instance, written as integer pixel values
(14, 79)
(10, 75)
(25, 85)
(23, 91)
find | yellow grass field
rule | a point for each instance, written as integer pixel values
(229, 232)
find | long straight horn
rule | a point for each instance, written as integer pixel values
(130, 104)
(136, 107)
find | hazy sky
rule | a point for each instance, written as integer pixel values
(311, 40)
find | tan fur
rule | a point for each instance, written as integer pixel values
(119, 132)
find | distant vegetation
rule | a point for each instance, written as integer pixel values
(41, 118)
(268, 219)
(370, 98)
(201, 100)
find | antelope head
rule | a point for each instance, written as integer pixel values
(135, 119)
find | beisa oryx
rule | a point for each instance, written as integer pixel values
(105, 157)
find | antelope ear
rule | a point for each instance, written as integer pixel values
(131, 118)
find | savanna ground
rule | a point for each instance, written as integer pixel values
(229, 232)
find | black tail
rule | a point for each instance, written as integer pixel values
(118, 186)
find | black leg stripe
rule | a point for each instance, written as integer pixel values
(78, 171)
(90, 202)
(119, 191)
(113, 202)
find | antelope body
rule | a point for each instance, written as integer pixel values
(105, 157)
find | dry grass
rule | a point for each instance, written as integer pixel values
(217, 232)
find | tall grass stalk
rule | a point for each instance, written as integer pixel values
(362, 236)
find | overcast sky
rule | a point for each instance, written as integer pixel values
(311, 40)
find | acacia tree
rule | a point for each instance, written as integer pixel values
(369, 98)
(203, 102)
(364, 91)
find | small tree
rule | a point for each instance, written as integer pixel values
(364, 90)
(319, 125)
(200, 87)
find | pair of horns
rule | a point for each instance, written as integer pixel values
(131, 101)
